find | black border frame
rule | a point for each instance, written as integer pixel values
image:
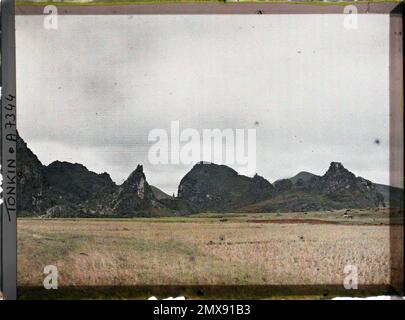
(8, 217)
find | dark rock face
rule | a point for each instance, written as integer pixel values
(283, 185)
(177, 206)
(136, 184)
(261, 188)
(338, 188)
(80, 191)
(343, 187)
(65, 210)
(134, 194)
(337, 178)
(218, 188)
(31, 183)
(209, 187)
(65, 189)
(77, 182)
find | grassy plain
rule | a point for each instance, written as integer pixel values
(209, 249)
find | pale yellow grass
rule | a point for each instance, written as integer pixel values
(202, 251)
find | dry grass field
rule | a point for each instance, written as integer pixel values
(287, 249)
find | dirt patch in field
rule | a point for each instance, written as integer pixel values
(309, 221)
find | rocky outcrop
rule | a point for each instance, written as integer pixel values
(345, 189)
(134, 195)
(283, 185)
(260, 188)
(212, 187)
(76, 182)
(338, 188)
(65, 189)
(31, 183)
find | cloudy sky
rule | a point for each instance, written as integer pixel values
(92, 90)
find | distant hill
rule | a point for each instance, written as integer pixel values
(393, 197)
(304, 176)
(159, 194)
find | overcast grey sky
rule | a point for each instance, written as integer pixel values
(91, 91)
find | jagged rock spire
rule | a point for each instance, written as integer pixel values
(135, 194)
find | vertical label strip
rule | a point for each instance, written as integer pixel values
(396, 79)
(8, 151)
